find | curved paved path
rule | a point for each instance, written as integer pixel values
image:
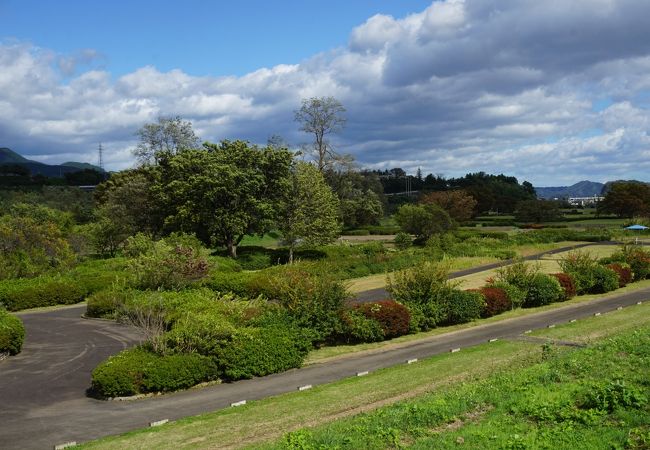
(42, 390)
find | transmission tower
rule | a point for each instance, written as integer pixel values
(101, 156)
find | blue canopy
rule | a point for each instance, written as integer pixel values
(636, 227)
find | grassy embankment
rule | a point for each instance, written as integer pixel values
(506, 394)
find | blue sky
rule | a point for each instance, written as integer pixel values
(552, 92)
(200, 37)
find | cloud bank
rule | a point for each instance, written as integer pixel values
(552, 92)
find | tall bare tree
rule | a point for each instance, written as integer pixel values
(163, 139)
(321, 116)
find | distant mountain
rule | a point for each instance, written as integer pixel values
(580, 189)
(8, 156)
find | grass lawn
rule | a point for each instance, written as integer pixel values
(269, 240)
(447, 383)
(376, 281)
(586, 398)
(547, 264)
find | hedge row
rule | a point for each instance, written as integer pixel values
(139, 371)
(41, 291)
(12, 333)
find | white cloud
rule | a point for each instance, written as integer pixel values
(494, 85)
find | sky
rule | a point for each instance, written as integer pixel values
(551, 92)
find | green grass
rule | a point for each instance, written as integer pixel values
(593, 398)
(269, 240)
(476, 394)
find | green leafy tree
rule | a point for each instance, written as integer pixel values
(320, 116)
(310, 213)
(537, 211)
(163, 139)
(423, 220)
(458, 203)
(223, 192)
(627, 199)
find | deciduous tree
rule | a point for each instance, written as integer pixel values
(458, 203)
(164, 138)
(320, 116)
(310, 214)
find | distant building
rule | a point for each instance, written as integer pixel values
(585, 201)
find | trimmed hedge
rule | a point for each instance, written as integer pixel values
(138, 371)
(394, 318)
(255, 352)
(359, 328)
(105, 304)
(12, 333)
(21, 294)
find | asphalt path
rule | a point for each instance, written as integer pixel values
(42, 390)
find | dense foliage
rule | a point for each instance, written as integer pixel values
(12, 333)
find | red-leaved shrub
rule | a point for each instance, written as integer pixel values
(567, 283)
(496, 301)
(624, 273)
(393, 317)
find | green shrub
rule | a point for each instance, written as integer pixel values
(357, 327)
(519, 274)
(255, 352)
(107, 303)
(394, 318)
(235, 282)
(515, 294)
(463, 306)
(543, 290)
(636, 257)
(166, 266)
(581, 266)
(605, 280)
(21, 294)
(12, 333)
(33, 241)
(137, 371)
(403, 240)
(314, 302)
(422, 290)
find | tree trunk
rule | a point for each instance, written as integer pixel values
(232, 249)
(291, 254)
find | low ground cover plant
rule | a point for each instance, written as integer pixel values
(12, 333)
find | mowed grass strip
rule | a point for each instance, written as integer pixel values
(265, 420)
(588, 398)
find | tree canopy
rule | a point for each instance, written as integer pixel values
(627, 199)
(310, 213)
